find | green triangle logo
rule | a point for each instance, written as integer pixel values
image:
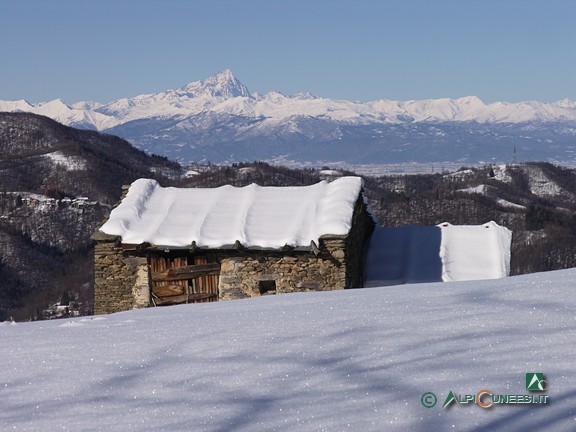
(449, 399)
(535, 381)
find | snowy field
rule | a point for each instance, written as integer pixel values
(357, 360)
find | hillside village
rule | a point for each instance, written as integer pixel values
(43, 202)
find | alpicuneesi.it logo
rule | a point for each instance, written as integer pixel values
(535, 382)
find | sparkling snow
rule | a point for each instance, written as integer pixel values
(254, 215)
(357, 360)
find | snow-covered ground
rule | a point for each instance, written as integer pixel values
(69, 163)
(357, 360)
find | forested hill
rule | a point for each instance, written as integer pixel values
(38, 155)
(56, 185)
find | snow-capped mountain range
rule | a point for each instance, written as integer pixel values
(218, 119)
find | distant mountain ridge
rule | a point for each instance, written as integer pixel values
(218, 119)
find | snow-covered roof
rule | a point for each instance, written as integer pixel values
(445, 252)
(256, 216)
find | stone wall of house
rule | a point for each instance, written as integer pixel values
(121, 280)
(252, 274)
(339, 265)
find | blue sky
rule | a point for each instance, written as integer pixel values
(103, 50)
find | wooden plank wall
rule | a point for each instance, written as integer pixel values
(206, 284)
(184, 279)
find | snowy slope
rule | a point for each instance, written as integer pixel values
(15, 106)
(63, 113)
(357, 360)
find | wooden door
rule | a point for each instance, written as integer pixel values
(184, 279)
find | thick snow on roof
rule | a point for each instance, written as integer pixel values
(443, 252)
(256, 216)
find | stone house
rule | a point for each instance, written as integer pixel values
(181, 245)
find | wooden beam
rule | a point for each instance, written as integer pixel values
(186, 272)
(169, 290)
(183, 298)
(314, 248)
(202, 296)
(158, 301)
(137, 247)
(142, 246)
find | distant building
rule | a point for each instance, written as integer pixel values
(169, 245)
(80, 202)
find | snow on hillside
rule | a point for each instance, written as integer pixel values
(509, 204)
(69, 163)
(357, 360)
(540, 184)
(60, 111)
(480, 189)
(15, 105)
(486, 189)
